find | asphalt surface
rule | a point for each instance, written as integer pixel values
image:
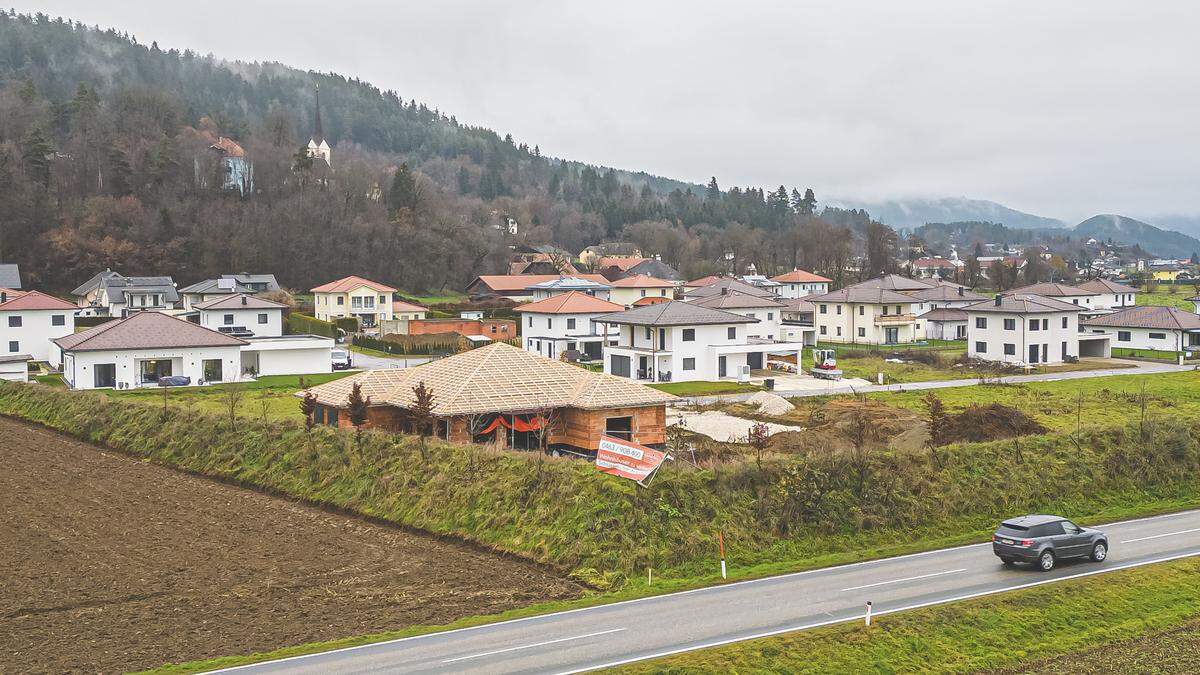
(609, 635)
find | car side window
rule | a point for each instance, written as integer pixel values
(1070, 528)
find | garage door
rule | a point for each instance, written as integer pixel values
(755, 360)
(620, 365)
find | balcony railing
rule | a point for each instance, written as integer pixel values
(893, 319)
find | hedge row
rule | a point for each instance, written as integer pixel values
(303, 324)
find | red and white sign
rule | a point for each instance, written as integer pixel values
(627, 459)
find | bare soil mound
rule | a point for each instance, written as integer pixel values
(109, 564)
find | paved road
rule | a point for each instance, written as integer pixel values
(1140, 368)
(369, 362)
(609, 635)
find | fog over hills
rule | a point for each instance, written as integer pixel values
(911, 213)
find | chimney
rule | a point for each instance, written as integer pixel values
(724, 291)
(243, 299)
(998, 297)
(3, 296)
(960, 291)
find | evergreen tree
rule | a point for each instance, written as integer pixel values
(35, 155)
(404, 193)
(464, 181)
(713, 192)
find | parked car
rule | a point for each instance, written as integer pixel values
(341, 359)
(1044, 540)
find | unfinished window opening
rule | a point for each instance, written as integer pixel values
(619, 427)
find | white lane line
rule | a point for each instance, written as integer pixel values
(536, 644)
(1160, 536)
(665, 596)
(897, 581)
(830, 622)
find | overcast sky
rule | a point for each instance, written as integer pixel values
(1064, 111)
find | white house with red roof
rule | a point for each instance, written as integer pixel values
(799, 283)
(564, 322)
(368, 301)
(408, 311)
(31, 320)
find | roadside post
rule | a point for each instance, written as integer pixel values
(867, 618)
(721, 546)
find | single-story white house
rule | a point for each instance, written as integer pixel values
(14, 367)
(945, 323)
(146, 347)
(1149, 327)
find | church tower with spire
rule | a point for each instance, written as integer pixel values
(318, 147)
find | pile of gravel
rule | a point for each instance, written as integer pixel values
(770, 404)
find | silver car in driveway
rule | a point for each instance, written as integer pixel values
(1044, 540)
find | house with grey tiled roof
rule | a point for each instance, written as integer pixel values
(1167, 329)
(867, 313)
(148, 349)
(110, 293)
(686, 341)
(1028, 330)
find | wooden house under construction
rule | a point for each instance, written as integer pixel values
(505, 395)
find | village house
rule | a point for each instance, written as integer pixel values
(936, 267)
(863, 315)
(653, 267)
(257, 283)
(723, 285)
(241, 315)
(612, 249)
(1168, 329)
(146, 347)
(1109, 294)
(408, 311)
(518, 287)
(682, 341)
(944, 323)
(210, 289)
(1086, 299)
(1024, 329)
(553, 287)
(504, 395)
(629, 290)
(30, 321)
(799, 283)
(368, 301)
(111, 294)
(564, 323)
(767, 311)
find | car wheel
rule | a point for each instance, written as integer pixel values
(1046, 561)
(1099, 552)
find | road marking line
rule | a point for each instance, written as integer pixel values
(897, 581)
(536, 644)
(1160, 536)
(666, 596)
(858, 616)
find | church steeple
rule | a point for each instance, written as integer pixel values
(318, 133)
(318, 147)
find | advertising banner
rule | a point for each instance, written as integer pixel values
(627, 459)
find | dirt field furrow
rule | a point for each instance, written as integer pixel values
(110, 564)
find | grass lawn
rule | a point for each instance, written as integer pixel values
(435, 298)
(988, 633)
(1163, 296)
(270, 396)
(1101, 401)
(705, 388)
(1119, 352)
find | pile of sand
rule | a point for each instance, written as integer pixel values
(770, 404)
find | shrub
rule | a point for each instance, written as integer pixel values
(303, 324)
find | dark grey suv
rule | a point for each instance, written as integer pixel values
(1044, 540)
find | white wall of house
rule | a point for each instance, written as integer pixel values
(409, 316)
(799, 289)
(79, 368)
(14, 371)
(865, 323)
(1114, 301)
(358, 302)
(262, 322)
(628, 296)
(945, 330)
(1008, 337)
(36, 329)
(1161, 339)
(685, 352)
(545, 334)
(290, 355)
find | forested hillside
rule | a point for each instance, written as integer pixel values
(105, 161)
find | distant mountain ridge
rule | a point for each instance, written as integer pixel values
(913, 213)
(1161, 242)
